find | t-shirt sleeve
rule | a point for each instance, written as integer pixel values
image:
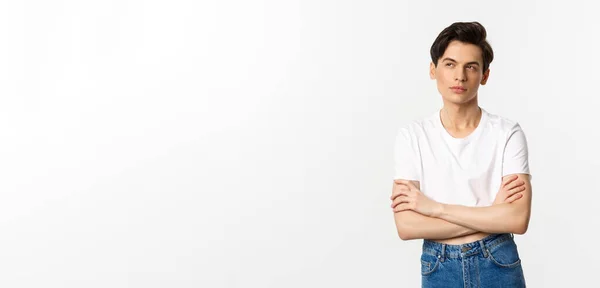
(406, 163)
(516, 154)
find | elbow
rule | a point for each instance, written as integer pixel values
(405, 225)
(519, 221)
(520, 227)
(405, 233)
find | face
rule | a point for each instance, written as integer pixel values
(459, 72)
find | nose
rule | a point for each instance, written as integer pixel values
(460, 75)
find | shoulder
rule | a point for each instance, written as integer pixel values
(502, 124)
(414, 129)
(511, 135)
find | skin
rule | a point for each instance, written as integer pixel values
(419, 217)
(461, 65)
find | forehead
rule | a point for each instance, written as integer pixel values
(463, 52)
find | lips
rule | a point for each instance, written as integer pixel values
(458, 89)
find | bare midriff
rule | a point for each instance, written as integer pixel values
(464, 239)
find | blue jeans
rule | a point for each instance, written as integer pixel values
(490, 262)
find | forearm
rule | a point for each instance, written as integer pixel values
(412, 225)
(500, 218)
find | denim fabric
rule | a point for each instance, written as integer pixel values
(490, 262)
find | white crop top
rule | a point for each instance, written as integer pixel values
(466, 171)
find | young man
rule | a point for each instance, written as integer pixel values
(462, 180)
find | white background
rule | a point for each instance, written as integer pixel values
(249, 143)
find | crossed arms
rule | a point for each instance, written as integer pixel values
(419, 217)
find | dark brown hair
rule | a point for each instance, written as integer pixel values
(467, 32)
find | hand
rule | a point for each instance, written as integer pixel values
(406, 196)
(510, 190)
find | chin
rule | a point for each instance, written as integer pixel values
(459, 99)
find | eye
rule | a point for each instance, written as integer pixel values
(449, 64)
(472, 67)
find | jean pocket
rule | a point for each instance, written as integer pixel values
(429, 263)
(505, 254)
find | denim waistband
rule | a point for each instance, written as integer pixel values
(465, 250)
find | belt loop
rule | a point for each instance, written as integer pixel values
(483, 249)
(512, 236)
(443, 252)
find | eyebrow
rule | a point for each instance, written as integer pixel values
(450, 59)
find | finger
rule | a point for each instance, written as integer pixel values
(402, 182)
(408, 183)
(411, 185)
(399, 200)
(402, 207)
(509, 180)
(400, 187)
(396, 185)
(515, 184)
(514, 191)
(513, 198)
(407, 192)
(398, 193)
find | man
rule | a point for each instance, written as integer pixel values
(462, 180)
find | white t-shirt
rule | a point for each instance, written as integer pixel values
(466, 171)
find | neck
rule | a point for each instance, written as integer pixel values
(461, 117)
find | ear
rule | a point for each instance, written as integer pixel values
(486, 75)
(432, 70)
